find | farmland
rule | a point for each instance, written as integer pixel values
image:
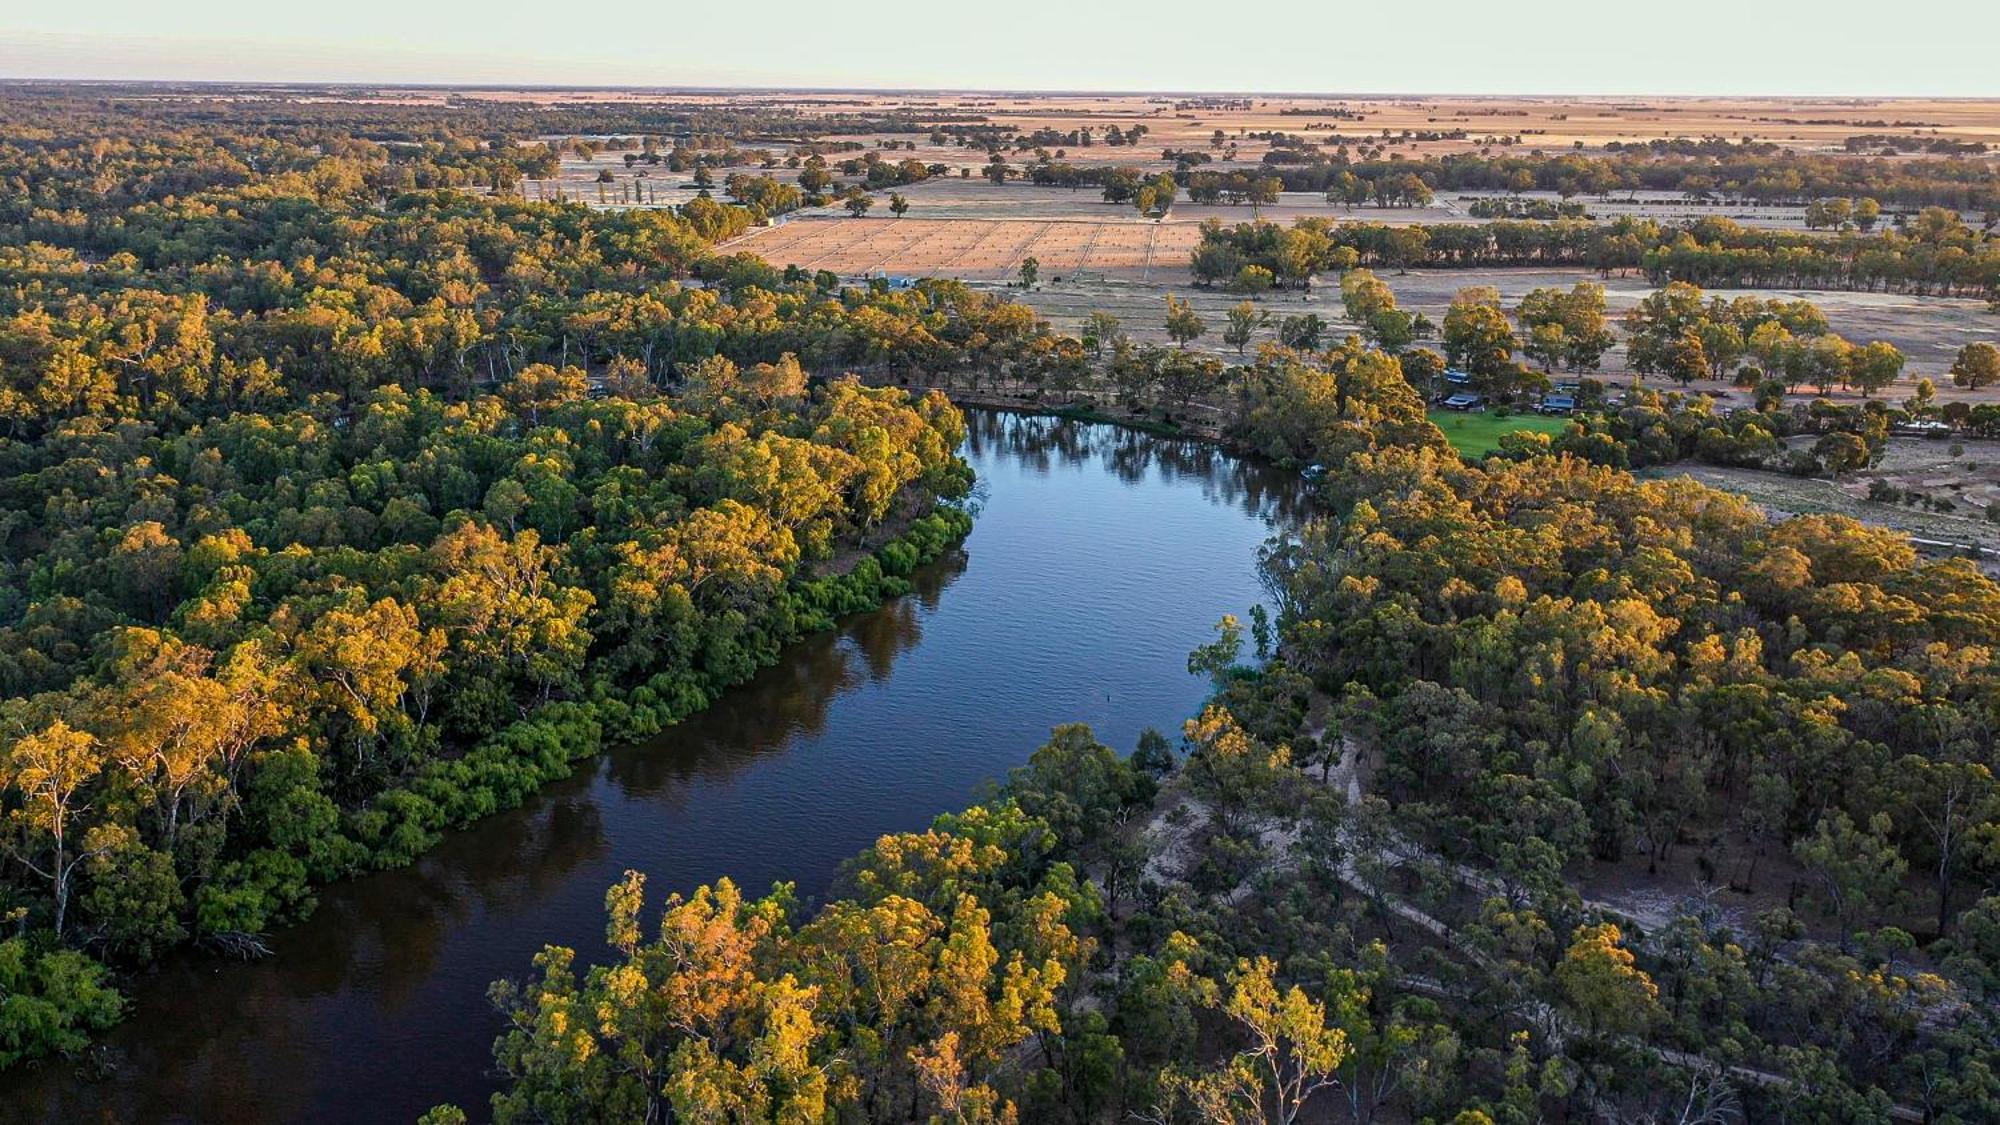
(977, 249)
(1436, 124)
(1928, 329)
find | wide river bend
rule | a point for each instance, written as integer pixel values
(1099, 558)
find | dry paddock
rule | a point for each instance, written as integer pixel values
(977, 249)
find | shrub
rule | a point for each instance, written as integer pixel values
(50, 1001)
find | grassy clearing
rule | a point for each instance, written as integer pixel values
(1477, 434)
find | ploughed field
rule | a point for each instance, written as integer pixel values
(976, 249)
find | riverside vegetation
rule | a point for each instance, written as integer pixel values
(337, 514)
(1357, 891)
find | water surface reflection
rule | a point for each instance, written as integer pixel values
(1101, 556)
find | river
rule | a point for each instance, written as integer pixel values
(1099, 558)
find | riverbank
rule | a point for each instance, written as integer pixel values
(376, 1009)
(1088, 409)
(1782, 496)
(452, 791)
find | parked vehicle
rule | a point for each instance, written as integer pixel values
(1556, 404)
(1465, 400)
(1928, 428)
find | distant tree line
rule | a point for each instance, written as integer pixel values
(1935, 254)
(1756, 176)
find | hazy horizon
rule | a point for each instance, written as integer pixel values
(1705, 48)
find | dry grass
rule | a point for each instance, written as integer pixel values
(1542, 124)
(1970, 480)
(975, 249)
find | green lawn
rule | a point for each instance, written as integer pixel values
(1477, 434)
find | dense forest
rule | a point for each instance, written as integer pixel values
(342, 507)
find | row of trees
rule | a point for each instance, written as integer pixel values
(1936, 255)
(1674, 332)
(1746, 173)
(1840, 214)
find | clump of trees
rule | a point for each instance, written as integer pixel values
(1674, 332)
(1233, 188)
(763, 196)
(1369, 302)
(1510, 207)
(1842, 214)
(1976, 365)
(1565, 328)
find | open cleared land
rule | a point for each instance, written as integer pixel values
(1459, 124)
(978, 198)
(1479, 432)
(1929, 330)
(1237, 134)
(1548, 122)
(979, 250)
(1962, 474)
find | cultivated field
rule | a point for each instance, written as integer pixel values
(1463, 124)
(977, 249)
(1100, 256)
(974, 229)
(1409, 127)
(1412, 127)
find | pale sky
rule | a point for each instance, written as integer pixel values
(1855, 47)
